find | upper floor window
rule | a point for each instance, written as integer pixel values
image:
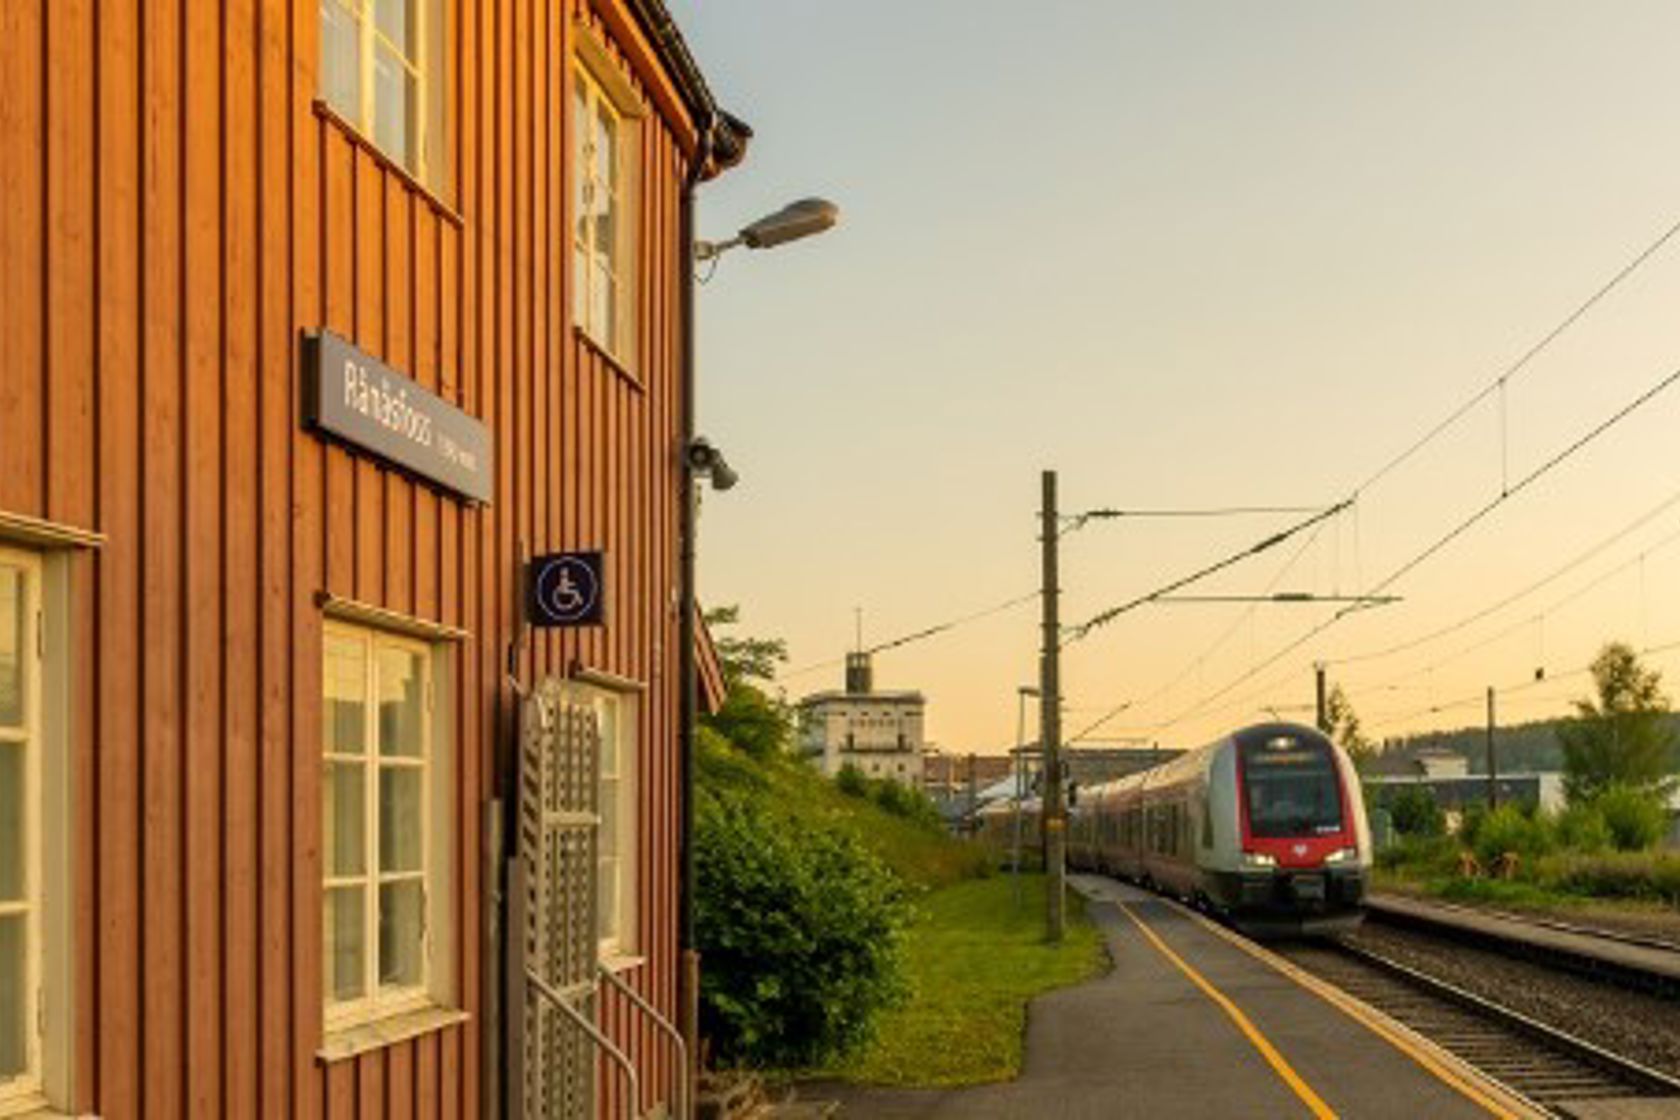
(382, 69)
(384, 825)
(603, 240)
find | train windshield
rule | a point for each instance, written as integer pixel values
(1292, 787)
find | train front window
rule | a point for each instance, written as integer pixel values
(1292, 788)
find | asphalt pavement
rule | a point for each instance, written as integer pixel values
(1148, 1039)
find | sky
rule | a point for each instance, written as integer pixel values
(1197, 255)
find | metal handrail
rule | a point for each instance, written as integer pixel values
(684, 1073)
(634, 1104)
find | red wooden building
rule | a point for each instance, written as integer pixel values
(260, 610)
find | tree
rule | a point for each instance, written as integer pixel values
(751, 718)
(1344, 728)
(1621, 739)
(743, 659)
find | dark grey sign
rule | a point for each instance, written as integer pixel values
(351, 394)
(565, 589)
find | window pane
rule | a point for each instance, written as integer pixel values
(344, 818)
(606, 900)
(399, 818)
(399, 934)
(343, 916)
(606, 148)
(340, 48)
(396, 21)
(12, 835)
(606, 714)
(401, 700)
(607, 838)
(14, 995)
(602, 317)
(344, 714)
(393, 109)
(12, 645)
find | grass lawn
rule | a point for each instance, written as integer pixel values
(974, 958)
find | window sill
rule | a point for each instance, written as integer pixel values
(601, 352)
(348, 1042)
(443, 210)
(32, 1106)
(617, 963)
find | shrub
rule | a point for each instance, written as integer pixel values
(851, 781)
(800, 929)
(1581, 828)
(1510, 829)
(1646, 875)
(1635, 819)
(1416, 813)
(1425, 856)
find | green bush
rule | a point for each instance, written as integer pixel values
(851, 781)
(1423, 856)
(1641, 875)
(1510, 829)
(1416, 813)
(800, 930)
(1581, 828)
(1635, 819)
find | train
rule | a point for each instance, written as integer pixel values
(1264, 828)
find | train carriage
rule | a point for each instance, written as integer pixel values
(1265, 826)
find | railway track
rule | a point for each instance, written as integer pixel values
(1561, 1074)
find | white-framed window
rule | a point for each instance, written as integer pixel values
(616, 847)
(385, 830)
(603, 224)
(21, 1035)
(382, 69)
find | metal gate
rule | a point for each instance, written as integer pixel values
(553, 891)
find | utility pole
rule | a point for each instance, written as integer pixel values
(1323, 698)
(1050, 713)
(1492, 758)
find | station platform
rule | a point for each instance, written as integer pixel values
(1656, 959)
(1193, 1022)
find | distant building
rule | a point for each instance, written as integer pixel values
(878, 732)
(947, 774)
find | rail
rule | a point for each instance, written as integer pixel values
(685, 1088)
(547, 990)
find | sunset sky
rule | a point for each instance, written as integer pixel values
(1189, 255)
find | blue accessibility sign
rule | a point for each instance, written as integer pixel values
(566, 589)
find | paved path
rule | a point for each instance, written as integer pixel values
(1148, 1040)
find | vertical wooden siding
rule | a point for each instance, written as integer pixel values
(175, 212)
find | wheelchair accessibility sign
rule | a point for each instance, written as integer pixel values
(566, 589)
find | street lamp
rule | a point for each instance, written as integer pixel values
(793, 221)
(696, 457)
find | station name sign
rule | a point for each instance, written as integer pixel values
(350, 394)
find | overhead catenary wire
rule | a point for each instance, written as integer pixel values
(1452, 534)
(1218, 642)
(1103, 618)
(916, 635)
(1499, 383)
(1476, 616)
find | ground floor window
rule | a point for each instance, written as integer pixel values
(616, 847)
(383, 767)
(20, 823)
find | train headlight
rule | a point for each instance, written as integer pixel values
(1342, 855)
(1258, 859)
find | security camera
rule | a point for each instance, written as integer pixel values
(705, 459)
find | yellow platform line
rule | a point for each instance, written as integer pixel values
(1373, 1021)
(1280, 1065)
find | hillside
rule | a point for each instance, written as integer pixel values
(921, 855)
(1522, 747)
